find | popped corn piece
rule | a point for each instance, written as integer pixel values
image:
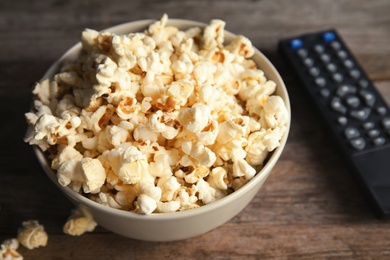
(235, 128)
(166, 207)
(206, 192)
(157, 124)
(127, 108)
(242, 168)
(187, 197)
(196, 173)
(129, 164)
(168, 186)
(8, 250)
(146, 204)
(180, 90)
(241, 46)
(204, 72)
(44, 91)
(208, 135)
(213, 35)
(163, 159)
(275, 112)
(32, 234)
(108, 200)
(142, 133)
(199, 153)
(94, 175)
(196, 118)
(79, 222)
(218, 178)
(89, 39)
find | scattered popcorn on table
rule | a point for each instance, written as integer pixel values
(79, 222)
(8, 250)
(32, 234)
(157, 121)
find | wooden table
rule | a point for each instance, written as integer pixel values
(310, 207)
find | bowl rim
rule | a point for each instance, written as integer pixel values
(260, 175)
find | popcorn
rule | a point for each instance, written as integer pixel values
(8, 250)
(79, 222)
(157, 121)
(32, 235)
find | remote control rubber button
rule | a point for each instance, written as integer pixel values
(345, 90)
(351, 132)
(331, 67)
(363, 83)
(381, 110)
(325, 57)
(342, 54)
(373, 133)
(338, 77)
(353, 101)
(379, 141)
(335, 45)
(348, 63)
(319, 48)
(368, 125)
(355, 74)
(337, 106)
(342, 120)
(358, 143)
(321, 82)
(328, 36)
(296, 43)
(302, 53)
(368, 97)
(361, 114)
(314, 71)
(386, 122)
(308, 62)
(325, 92)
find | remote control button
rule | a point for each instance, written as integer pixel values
(337, 106)
(361, 114)
(368, 97)
(381, 110)
(353, 101)
(319, 48)
(342, 54)
(321, 82)
(302, 53)
(328, 36)
(363, 83)
(355, 74)
(338, 77)
(348, 64)
(373, 133)
(342, 120)
(296, 43)
(358, 143)
(345, 90)
(351, 132)
(331, 67)
(308, 62)
(368, 125)
(325, 92)
(335, 45)
(325, 57)
(379, 141)
(386, 122)
(314, 71)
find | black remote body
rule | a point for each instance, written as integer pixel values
(353, 110)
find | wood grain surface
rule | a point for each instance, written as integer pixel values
(310, 207)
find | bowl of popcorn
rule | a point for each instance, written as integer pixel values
(161, 130)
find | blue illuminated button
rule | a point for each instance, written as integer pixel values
(296, 43)
(328, 36)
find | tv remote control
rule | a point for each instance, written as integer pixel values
(354, 111)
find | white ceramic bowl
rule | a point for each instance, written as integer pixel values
(177, 225)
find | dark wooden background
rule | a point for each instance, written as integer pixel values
(310, 207)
